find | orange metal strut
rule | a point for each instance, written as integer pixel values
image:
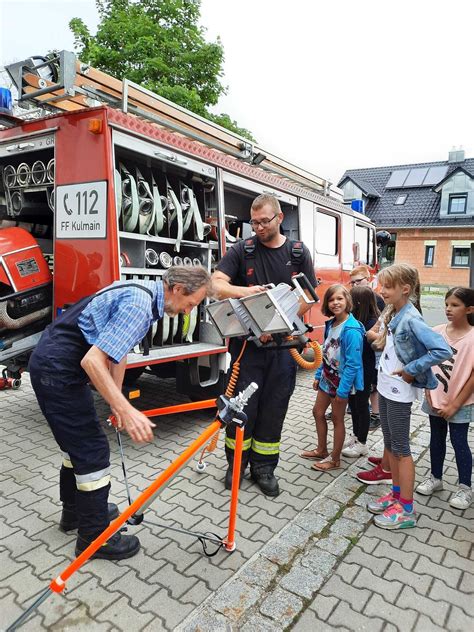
(229, 544)
(58, 584)
(172, 410)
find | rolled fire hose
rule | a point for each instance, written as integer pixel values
(16, 202)
(51, 198)
(201, 229)
(176, 214)
(130, 202)
(166, 260)
(304, 364)
(158, 206)
(118, 192)
(50, 170)
(152, 258)
(23, 174)
(9, 176)
(146, 205)
(38, 172)
(177, 261)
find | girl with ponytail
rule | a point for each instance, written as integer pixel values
(409, 350)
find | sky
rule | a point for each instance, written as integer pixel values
(329, 85)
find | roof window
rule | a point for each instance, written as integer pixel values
(401, 199)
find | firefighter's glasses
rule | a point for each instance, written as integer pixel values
(263, 223)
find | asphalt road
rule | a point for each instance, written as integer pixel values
(433, 309)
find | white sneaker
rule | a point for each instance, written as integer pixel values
(351, 439)
(430, 485)
(355, 449)
(462, 498)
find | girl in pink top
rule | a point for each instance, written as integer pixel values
(452, 402)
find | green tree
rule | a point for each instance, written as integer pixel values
(159, 45)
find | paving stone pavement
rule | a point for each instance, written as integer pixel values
(307, 560)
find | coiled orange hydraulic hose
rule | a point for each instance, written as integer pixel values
(304, 364)
(229, 391)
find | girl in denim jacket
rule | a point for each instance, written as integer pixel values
(409, 349)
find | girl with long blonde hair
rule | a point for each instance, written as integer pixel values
(409, 350)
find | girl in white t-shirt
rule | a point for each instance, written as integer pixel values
(409, 350)
(452, 402)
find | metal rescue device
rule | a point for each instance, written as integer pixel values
(275, 312)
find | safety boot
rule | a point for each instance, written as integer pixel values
(118, 547)
(70, 521)
(230, 469)
(266, 480)
(228, 476)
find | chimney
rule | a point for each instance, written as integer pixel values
(456, 155)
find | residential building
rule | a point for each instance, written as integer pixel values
(428, 208)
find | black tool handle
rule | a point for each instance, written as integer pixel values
(302, 280)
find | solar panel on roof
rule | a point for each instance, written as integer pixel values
(435, 175)
(415, 177)
(397, 178)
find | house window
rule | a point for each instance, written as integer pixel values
(429, 255)
(460, 258)
(351, 192)
(401, 199)
(457, 204)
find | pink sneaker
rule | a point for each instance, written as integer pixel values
(381, 504)
(375, 476)
(395, 517)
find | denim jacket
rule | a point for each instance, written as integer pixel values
(417, 346)
(350, 368)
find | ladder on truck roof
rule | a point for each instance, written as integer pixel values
(71, 85)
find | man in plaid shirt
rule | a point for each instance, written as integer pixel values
(89, 342)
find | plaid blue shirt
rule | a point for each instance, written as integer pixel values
(116, 321)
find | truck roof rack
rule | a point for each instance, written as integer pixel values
(62, 82)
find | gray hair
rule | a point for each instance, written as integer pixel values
(192, 278)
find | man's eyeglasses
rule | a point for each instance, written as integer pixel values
(263, 222)
(357, 281)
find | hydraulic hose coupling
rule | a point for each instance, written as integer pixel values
(231, 410)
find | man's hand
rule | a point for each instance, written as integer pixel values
(250, 291)
(264, 338)
(406, 377)
(138, 426)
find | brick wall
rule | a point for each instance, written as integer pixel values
(410, 248)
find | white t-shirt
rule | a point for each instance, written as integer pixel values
(392, 386)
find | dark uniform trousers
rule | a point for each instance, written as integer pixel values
(66, 400)
(275, 374)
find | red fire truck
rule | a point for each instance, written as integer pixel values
(114, 182)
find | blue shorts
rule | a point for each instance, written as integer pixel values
(465, 414)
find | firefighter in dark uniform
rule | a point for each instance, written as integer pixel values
(89, 342)
(269, 257)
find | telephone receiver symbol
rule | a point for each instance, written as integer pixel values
(68, 211)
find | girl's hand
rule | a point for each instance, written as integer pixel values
(447, 411)
(316, 385)
(406, 377)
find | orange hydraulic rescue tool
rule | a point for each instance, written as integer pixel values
(229, 411)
